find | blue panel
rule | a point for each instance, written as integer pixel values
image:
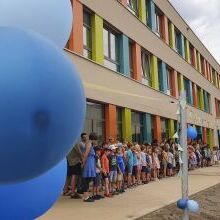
(147, 128)
(151, 15)
(206, 101)
(163, 77)
(124, 55)
(182, 46)
(190, 93)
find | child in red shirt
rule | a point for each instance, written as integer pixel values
(105, 170)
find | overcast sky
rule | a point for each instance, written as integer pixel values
(203, 16)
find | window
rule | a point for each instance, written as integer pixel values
(133, 6)
(95, 120)
(209, 102)
(164, 129)
(145, 68)
(187, 86)
(202, 64)
(137, 127)
(158, 22)
(164, 78)
(214, 77)
(178, 41)
(191, 54)
(199, 133)
(217, 107)
(131, 65)
(169, 81)
(111, 52)
(119, 123)
(87, 35)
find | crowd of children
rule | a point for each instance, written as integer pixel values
(110, 169)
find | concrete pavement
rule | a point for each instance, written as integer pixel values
(135, 202)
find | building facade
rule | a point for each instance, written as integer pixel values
(134, 58)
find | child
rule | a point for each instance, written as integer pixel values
(97, 180)
(165, 159)
(170, 163)
(113, 170)
(156, 163)
(144, 164)
(129, 160)
(121, 170)
(105, 171)
(215, 156)
(135, 164)
(149, 164)
(139, 165)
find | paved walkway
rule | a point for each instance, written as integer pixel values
(135, 202)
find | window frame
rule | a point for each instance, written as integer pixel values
(108, 58)
(146, 79)
(130, 5)
(88, 27)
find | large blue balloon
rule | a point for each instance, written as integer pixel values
(191, 132)
(182, 203)
(31, 199)
(42, 105)
(51, 18)
(192, 206)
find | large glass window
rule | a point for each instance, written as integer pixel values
(145, 68)
(87, 35)
(131, 58)
(202, 64)
(111, 49)
(137, 127)
(133, 6)
(158, 22)
(119, 124)
(188, 90)
(164, 129)
(178, 41)
(191, 54)
(95, 120)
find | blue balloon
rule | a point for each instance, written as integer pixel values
(193, 206)
(31, 199)
(182, 203)
(191, 132)
(51, 18)
(42, 105)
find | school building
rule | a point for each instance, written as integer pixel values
(134, 57)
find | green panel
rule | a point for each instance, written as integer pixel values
(126, 124)
(154, 72)
(142, 11)
(199, 67)
(97, 39)
(171, 128)
(201, 99)
(187, 51)
(210, 138)
(172, 36)
(180, 82)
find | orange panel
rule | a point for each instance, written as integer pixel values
(195, 97)
(136, 51)
(164, 28)
(174, 84)
(75, 42)
(124, 2)
(157, 128)
(110, 121)
(204, 135)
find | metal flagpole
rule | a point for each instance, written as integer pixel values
(184, 153)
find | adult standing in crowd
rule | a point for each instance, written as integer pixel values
(74, 161)
(89, 166)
